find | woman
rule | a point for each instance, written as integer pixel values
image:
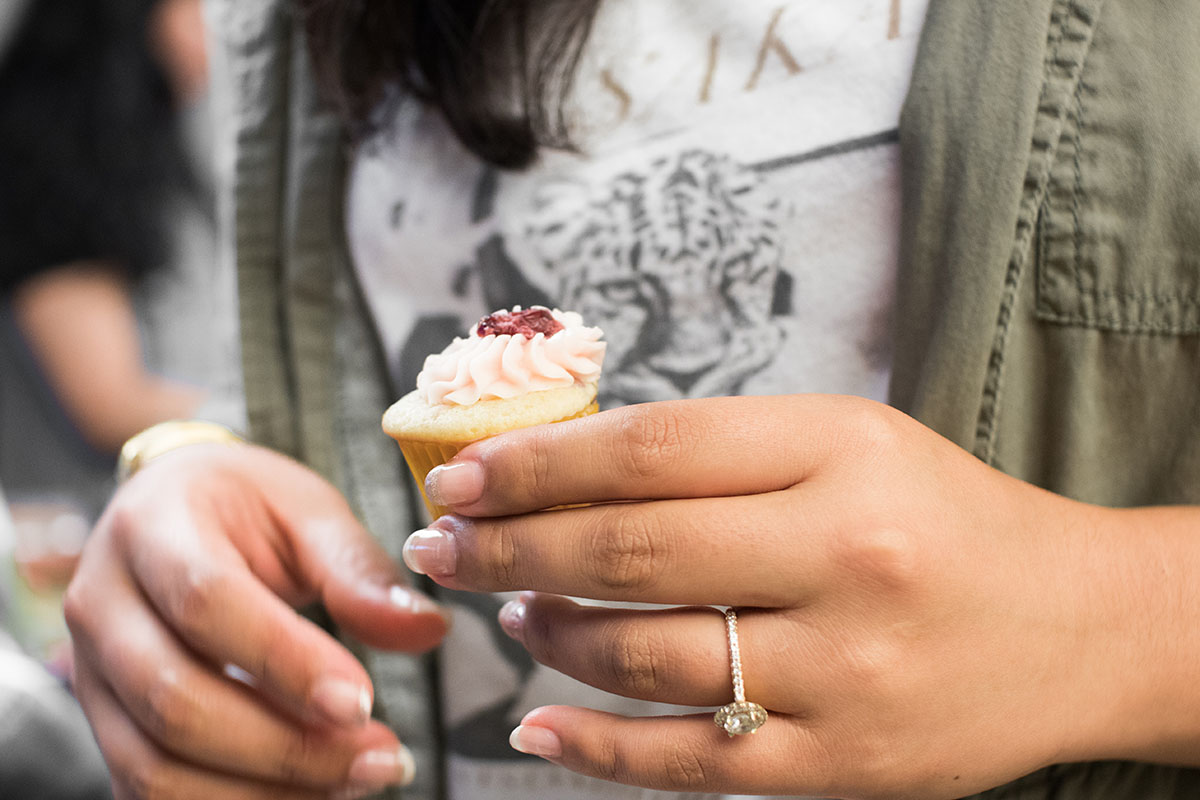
(915, 622)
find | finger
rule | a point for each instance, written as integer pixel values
(676, 552)
(205, 596)
(676, 655)
(189, 710)
(686, 754)
(140, 769)
(202, 584)
(655, 450)
(357, 581)
(296, 534)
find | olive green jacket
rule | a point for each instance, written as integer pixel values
(1048, 314)
(1049, 304)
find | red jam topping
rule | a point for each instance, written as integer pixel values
(528, 323)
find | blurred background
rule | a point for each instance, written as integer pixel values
(113, 316)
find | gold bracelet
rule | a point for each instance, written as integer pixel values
(144, 447)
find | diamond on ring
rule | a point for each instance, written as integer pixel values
(741, 716)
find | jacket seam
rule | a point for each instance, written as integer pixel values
(266, 373)
(1074, 24)
(1077, 189)
(1121, 326)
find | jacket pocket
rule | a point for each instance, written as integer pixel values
(1118, 234)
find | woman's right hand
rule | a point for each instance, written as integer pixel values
(198, 676)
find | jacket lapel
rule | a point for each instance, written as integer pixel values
(989, 99)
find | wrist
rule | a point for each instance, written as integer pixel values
(157, 440)
(1146, 610)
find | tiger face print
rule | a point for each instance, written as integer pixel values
(680, 264)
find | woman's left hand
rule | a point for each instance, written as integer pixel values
(916, 623)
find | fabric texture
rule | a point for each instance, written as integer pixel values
(1052, 330)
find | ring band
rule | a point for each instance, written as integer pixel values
(739, 717)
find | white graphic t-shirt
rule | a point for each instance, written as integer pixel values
(730, 221)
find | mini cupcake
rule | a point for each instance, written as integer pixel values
(515, 369)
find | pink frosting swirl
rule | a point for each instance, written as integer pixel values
(502, 366)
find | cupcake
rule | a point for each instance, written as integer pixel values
(514, 369)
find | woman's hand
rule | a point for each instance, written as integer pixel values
(198, 677)
(916, 623)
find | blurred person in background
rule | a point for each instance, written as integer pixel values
(106, 274)
(98, 196)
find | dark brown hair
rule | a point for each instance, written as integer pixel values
(90, 155)
(498, 70)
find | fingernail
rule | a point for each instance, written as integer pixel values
(431, 552)
(512, 618)
(344, 702)
(412, 601)
(383, 768)
(455, 484)
(415, 602)
(541, 742)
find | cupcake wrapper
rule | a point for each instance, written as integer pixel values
(423, 456)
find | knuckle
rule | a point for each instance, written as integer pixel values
(877, 663)
(874, 426)
(272, 662)
(120, 522)
(150, 780)
(264, 665)
(608, 758)
(685, 767)
(121, 767)
(504, 560)
(874, 666)
(75, 608)
(633, 663)
(543, 639)
(193, 597)
(169, 712)
(626, 555)
(296, 751)
(883, 556)
(653, 441)
(539, 469)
